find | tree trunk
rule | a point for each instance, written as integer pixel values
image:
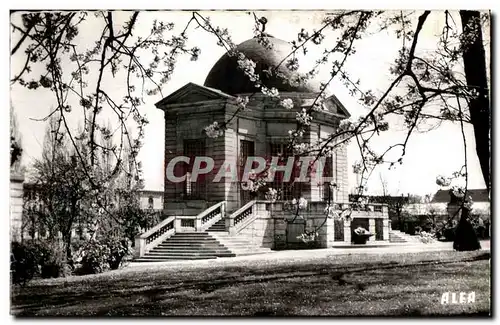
(476, 76)
(67, 248)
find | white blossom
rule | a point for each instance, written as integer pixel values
(292, 64)
(242, 102)
(302, 203)
(346, 125)
(303, 117)
(301, 148)
(287, 103)
(273, 92)
(457, 191)
(213, 130)
(443, 181)
(248, 67)
(271, 194)
(295, 133)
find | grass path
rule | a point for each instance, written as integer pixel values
(337, 285)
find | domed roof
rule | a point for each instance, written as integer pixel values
(227, 77)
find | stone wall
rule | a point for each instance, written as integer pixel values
(261, 231)
(16, 206)
(269, 229)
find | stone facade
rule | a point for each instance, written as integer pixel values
(16, 206)
(261, 129)
(263, 123)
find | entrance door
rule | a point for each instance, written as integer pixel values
(247, 149)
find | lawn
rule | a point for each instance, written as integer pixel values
(409, 284)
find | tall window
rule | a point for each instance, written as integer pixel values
(150, 202)
(194, 189)
(326, 190)
(287, 190)
(247, 149)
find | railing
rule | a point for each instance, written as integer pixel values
(239, 219)
(165, 229)
(210, 216)
(185, 223)
(376, 208)
(146, 241)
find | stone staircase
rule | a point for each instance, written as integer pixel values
(214, 243)
(397, 236)
(187, 246)
(219, 226)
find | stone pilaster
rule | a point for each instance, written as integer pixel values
(371, 229)
(347, 231)
(16, 206)
(386, 229)
(330, 232)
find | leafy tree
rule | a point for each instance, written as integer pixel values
(67, 197)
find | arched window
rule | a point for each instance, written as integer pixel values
(150, 202)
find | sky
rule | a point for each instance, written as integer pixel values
(429, 154)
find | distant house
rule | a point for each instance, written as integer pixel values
(480, 198)
(439, 203)
(151, 199)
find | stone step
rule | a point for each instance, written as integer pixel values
(218, 226)
(191, 234)
(189, 251)
(396, 238)
(187, 240)
(147, 258)
(185, 247)
(236, 240)
(221, 228)
(187, 254)
(192, 244)
(409, 237)
(181, 237)
(251, 251)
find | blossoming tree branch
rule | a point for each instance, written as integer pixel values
(449, 83)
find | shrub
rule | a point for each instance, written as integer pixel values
(53, 263)
(92, 258)
(23, 262)
(426, 237)
(43, 258)
(118, 250)
(99, 255)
